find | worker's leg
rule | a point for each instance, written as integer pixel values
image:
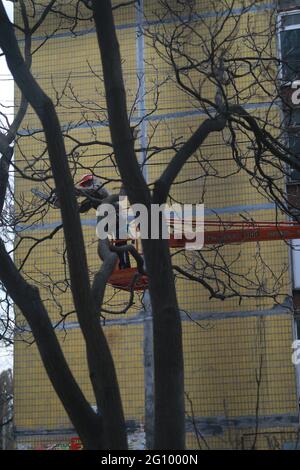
(124, 260)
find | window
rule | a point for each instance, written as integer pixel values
(283, 4)
(294, 142)
(289, 25)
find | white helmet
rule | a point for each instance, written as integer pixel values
(91, 185)
(89, 182)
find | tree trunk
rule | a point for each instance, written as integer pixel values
(169, 420)
(168, 353)
(88, 425)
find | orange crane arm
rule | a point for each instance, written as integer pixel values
(242, 233)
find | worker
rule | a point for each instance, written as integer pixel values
(92, 189)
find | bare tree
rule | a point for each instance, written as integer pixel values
(264, 159)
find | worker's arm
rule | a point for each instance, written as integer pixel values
(53, 199)
(85, 206)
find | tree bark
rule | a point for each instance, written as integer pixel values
(169, 414)
(168, 353)
(27, 298)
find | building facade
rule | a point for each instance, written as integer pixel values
(241, 385)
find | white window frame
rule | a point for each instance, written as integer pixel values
(280, 29)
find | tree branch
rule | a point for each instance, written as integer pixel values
(4, 174)
(121, 134)
(163, 184)
(101, 277)
(28, 300)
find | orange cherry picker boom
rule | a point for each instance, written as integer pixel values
(218, 232)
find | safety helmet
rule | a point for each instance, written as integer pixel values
(89, 182)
